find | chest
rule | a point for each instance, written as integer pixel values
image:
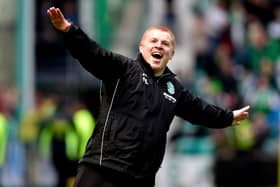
(141, 93)
(161, 90)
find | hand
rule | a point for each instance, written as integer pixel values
(57, 19)
(239, 115)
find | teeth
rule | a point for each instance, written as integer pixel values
(157, 55)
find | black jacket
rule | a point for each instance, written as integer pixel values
(136, 109)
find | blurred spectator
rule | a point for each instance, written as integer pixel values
(265, 97)
(64, 135)
(217, 21)
(274, 25)
(237, 25)
(225, 67)
(261, 50)
(84, 123)
(13, 168)
(3, 142)
(29, 129)
(59, 139)
(258, 10)
(200, 43)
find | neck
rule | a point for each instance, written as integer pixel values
(158, 73)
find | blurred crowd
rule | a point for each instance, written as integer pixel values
(42, 146)
(236, 63)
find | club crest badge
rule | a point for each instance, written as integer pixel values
(170, 88)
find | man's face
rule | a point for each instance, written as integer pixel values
(157, 48)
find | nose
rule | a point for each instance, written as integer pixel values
(158, 44)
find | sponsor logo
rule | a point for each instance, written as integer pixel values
(169, 97)
(145, 78)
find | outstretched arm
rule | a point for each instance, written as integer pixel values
(57, 19)
(88, 52)
(197, 111)
(240, 114)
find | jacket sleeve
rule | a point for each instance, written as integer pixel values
(198, 111)
(102, 63)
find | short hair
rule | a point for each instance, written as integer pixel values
(161, 28)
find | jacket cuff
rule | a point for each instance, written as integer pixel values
(72, 29)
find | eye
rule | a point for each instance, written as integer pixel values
(166, 43)
(153, 41)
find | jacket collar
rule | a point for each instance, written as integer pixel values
(148, 69)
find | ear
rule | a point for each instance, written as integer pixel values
(141, 49)
(172, 54)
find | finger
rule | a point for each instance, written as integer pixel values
(246, 108)
(243, 115)
(59, 13)
(236, 123)
(52, 13)
(55, 13)
(51, 9)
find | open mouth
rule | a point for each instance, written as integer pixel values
(157, 55)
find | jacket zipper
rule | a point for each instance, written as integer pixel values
(162, 76)
(106, 121)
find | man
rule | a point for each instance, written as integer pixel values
(139, 99)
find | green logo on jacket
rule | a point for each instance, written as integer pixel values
(170, 88)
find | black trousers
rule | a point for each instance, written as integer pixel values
(95, 176)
